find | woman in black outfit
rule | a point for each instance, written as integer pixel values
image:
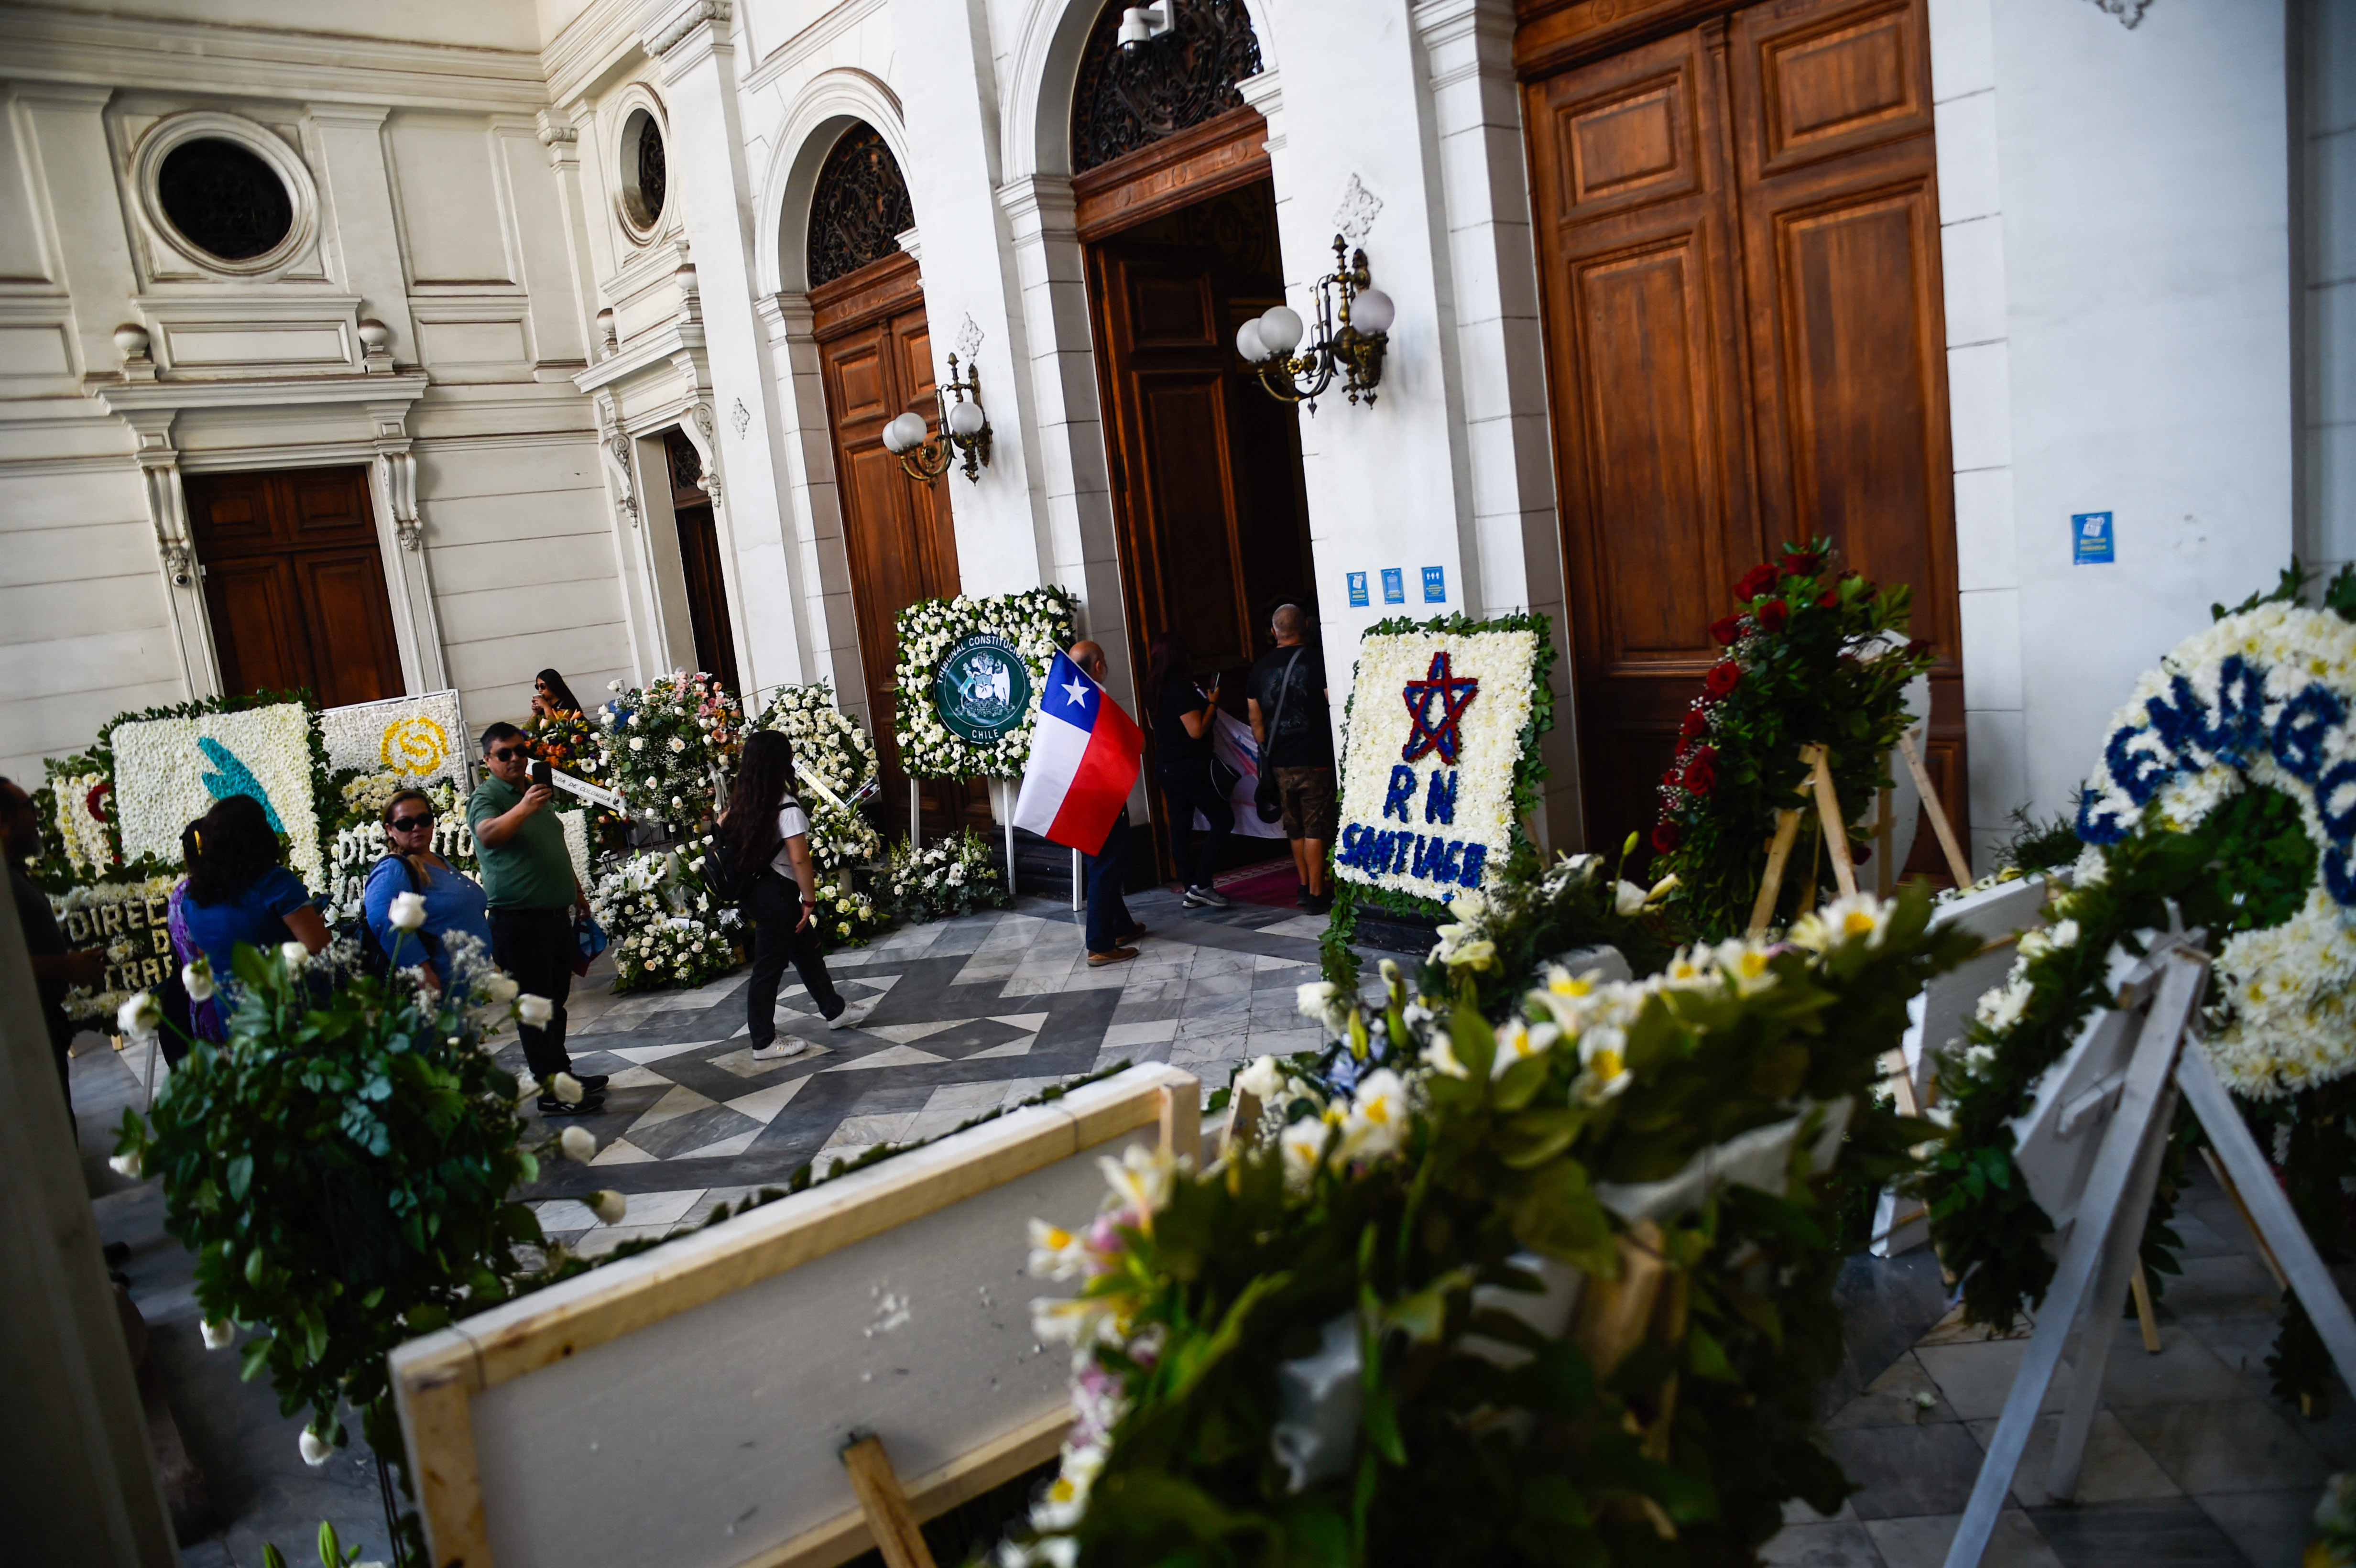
(1192, 778)
(768, 833)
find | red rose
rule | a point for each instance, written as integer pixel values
(1774, 615)
(1696, 721)
(1669, 779)
(1807, 564)
(1726, 629)
(1829, 599)
(1755, 582)
(1667, 836)
(1701, 773)
(1722, 677)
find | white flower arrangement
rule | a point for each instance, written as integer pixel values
(666, 929)
(130, 921)
(946, 878)
(1037, 622)
(359, 846)
(696, 728)
(418, 740)
(168, 771)
(834, 760)
(2263, 698)
(81, 832)
(1432, 824)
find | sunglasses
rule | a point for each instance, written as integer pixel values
(409, 824)
(506, 753)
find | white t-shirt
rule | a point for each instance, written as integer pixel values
(791, 820)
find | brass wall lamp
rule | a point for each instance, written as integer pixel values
(965, 428)
(1353, 323)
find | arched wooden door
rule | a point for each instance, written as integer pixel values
(1738, 244)
(867, 304)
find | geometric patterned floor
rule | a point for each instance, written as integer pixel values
(964, 1016)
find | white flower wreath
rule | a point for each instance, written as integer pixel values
(168, 771)
(835, 759)
(2264, 698)
(1037, 622)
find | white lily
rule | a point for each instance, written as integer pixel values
(1263, 1079)
(140, 1015)
(196, 979)
(294, 954)
(1376, 1123)
(408, 912)
(126, 1165)
(534, 1010)
(316, 1450)
(500, 988)
(218, 1336)
(610, 1207)
(1055, 1252)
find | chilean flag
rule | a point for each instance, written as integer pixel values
(1084, 757)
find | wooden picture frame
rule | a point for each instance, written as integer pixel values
(689, 1404)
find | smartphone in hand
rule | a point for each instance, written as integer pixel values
(542, 774)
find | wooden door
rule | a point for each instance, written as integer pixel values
(1738, 244)
(700, 565)
(295, 583)
(876, 355)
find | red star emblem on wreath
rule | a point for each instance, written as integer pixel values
(1452, 696)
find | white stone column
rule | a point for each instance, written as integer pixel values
(1513, 537)
(737, 430)
(822, 559)
(940, 48)
(416, 622)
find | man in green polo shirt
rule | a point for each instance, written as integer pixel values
(528, 874)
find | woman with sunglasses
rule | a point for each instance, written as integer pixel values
(455, 902)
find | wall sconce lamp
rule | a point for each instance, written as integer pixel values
(1353, 346)
(964, 429)
(1140, 24)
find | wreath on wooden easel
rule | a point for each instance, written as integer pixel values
(1809, 698)
(2225, 800)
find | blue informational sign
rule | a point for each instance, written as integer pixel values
(1435, 585)
(1394, 585)
(2091, 542)
(1357, 589)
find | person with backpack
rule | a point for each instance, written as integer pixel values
(761, 858)
(454, 903)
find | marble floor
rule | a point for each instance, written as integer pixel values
(953, 1020)
(2191, 1460)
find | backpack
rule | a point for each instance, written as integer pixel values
(374, 959)
(731, 882)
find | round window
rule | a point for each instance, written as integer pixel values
(645, 176)
(224, 199)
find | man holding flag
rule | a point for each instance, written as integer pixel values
(1084, 757)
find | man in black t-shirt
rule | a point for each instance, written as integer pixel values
(1290, 720)
(55, 970)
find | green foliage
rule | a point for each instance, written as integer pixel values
(950, 877)
(1682, 1451)
(2043, 845)
(333, 1553)
(1529, 919)
(1809, 660)
(340, 1166)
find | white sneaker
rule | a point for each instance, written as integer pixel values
(1205, 897)
(853, 1013)
(780, 1049)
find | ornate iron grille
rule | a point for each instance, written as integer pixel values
(1187, 76)
(860, 208)
(686, 463)
(225, 199)
(654, 175)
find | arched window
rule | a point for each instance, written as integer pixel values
(1129, 100)
(859, 209)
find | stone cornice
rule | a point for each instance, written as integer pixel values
(810, 40)
(158, 54)
(136, 398)
(667, 23)
(596, 43)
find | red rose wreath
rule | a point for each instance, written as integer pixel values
(1809, 658)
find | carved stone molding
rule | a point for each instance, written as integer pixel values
(665, 26)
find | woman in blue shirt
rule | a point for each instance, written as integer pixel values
(237, 891)
(455, 902)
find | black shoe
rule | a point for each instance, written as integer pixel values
(1320, 903)
(590, 1081)
(588, 1106)
(1301, 898)
(116, 1253)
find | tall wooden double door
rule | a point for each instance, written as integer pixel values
(293, 581)
(877, 358)
(1739, 238)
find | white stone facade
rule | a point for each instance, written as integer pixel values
(2147, 257)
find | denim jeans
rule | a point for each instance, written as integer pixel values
(1109, 918)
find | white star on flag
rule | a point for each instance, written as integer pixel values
(1079, 694)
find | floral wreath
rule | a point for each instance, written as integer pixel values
(1811, 658)
(669, 746)
(2225, 798)
(1037, 621)
(834, 761)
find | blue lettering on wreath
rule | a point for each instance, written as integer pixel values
(1402, 793)
(1440, 800)
(2298, 733)
(2240, 725)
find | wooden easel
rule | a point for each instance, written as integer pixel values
(1817, 789)
(2103, 1119)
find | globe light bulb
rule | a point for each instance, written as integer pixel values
(1373, 312)
(966, 420)
(904, 434)
(1280, 329)
(1248, 344)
